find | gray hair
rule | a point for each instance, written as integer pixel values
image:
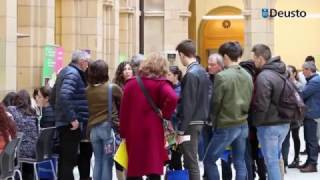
(78, 55)
(218, 58)
(136, 61)
(310, 65)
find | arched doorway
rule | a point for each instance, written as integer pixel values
(213, 33)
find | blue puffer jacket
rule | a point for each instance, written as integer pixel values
(311, 97)
(68, 96)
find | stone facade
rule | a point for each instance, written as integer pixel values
(8, 46)
(108, 28)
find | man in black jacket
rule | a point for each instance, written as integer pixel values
(71, 108)
(194, 105)
(271, 128)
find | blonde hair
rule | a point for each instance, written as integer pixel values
(155, 65)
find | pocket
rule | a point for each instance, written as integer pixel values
(109, 146)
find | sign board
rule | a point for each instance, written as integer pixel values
(52, 64)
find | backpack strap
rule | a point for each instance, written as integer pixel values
(110, 102)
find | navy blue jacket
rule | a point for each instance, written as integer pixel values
(68, 96)
(311, 97)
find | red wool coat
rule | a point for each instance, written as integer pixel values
(141, 126)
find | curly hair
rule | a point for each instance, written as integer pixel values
(154, 66)
(119, 79)
(8, 127)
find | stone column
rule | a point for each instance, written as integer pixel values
(257, 28)
(129, 28)
(8, 46)
(175, 25)
(36, 21)
(110, 33)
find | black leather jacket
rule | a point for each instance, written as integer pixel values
(193, 107)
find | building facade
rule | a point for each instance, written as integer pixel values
(114, 30)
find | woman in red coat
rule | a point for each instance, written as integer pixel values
(140, 125)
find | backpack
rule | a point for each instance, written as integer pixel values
(290, 105)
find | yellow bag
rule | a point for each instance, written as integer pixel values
(121, 155)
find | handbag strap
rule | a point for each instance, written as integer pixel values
(146, 94)
(110, 102)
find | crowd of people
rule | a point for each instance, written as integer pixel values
(230, 110)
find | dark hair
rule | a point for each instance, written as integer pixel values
(232, 49)
(45, 91)
(8, 127)
(262, 50)
(176, 71)
(198, 59)
(23, 102)
(309, 58)
(187, 48)
(8, 99)
(98, 72)
(35, 93)
(294, 70)
(119, 79)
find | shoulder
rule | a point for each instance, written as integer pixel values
(12, 110)
(315, 80)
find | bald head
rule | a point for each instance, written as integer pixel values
(215, 63)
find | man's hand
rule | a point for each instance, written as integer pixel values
(74, 124)
(182, 138)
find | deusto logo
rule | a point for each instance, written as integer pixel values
(271, 13)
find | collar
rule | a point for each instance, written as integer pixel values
(192, 64)
(312, 76)
(235, 66)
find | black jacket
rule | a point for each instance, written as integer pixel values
(193, 107)
(47, 117)
(68, 96)
(268, 89)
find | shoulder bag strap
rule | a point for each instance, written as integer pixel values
(110, 102)
(146, 94)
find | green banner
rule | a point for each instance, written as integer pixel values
(48, 64)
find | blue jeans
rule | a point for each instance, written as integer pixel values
(102, 139)
(223, 137)
(271, 139)
(310, 136)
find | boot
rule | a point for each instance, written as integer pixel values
(295, 163)
(302, 166)
(120, 175)
(309, 168)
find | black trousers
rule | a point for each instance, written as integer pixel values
(286, 145)
(68, 150)
(175, 163)
(84, 160)
(149, 177)
(226, 169)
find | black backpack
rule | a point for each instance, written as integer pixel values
(290, 105)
